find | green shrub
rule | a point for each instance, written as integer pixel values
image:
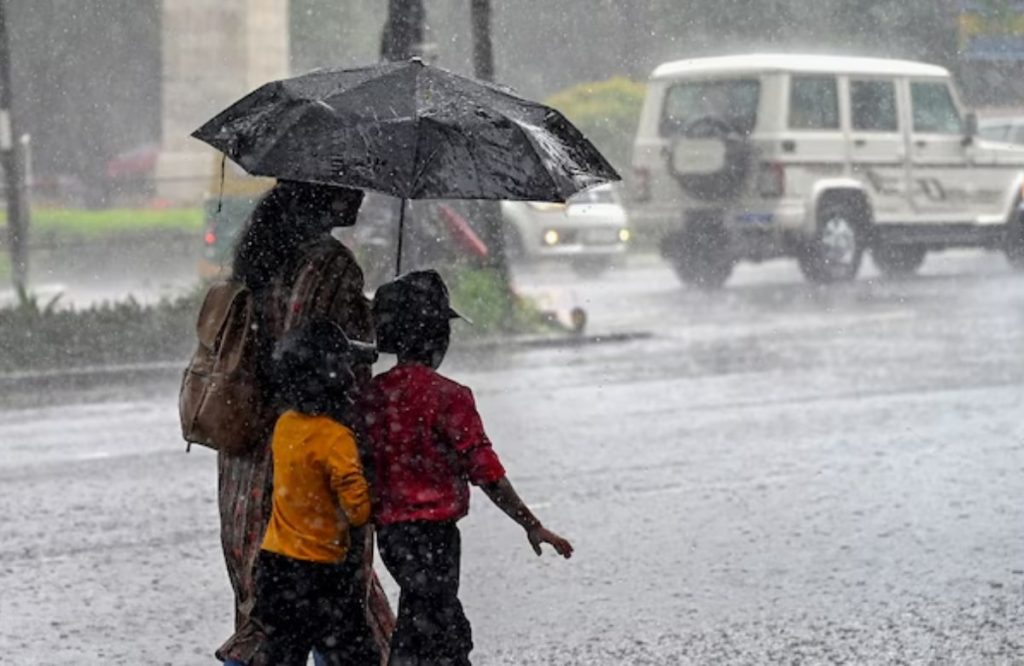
(606, 112)
(40, 335)
(483, 296)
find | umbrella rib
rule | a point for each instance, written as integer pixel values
(418, 169)
(281, 135)
(309, 103)
(539, 152)
(414, 172)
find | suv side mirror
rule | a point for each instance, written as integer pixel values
(970, 128)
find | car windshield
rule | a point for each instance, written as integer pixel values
(594, 195)
(732, 100)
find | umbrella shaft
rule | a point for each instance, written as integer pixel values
(401, 233)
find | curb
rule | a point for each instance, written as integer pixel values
(551, 342)
(72, 377)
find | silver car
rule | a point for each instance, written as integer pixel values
(589, 231)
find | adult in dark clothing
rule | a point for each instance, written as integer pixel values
(297, 272)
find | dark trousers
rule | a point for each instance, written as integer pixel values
(304, 605)
(432, 629)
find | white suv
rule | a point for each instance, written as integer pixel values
(818, 158)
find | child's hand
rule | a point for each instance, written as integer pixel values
(539, 535)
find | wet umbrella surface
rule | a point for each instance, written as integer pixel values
(411, 131)
(408, 130)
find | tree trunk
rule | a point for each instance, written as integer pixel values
(12, 157)
(488, 212)
(403, 31)
(483, 53)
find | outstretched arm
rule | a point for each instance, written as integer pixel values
(507, 499)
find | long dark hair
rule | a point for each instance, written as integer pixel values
(288, 217)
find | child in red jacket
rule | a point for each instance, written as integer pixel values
(428, 443)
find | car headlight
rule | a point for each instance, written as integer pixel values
(624, 235)
(551, 237)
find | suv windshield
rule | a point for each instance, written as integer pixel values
(732, 100)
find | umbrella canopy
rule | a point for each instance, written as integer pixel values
(409, 130)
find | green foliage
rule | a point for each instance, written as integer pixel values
(28, 304)
(481, 296)
(91, 223)
(606, 112)
(41, 336)
(484, 297)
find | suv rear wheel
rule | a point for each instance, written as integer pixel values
(835, 252)
(700, 256)
(898, 260)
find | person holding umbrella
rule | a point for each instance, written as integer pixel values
(297, 271)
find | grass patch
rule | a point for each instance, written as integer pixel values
(77, 222)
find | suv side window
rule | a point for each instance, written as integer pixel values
(873, 106)
(731, 100)
(813, 103)
(934, 111)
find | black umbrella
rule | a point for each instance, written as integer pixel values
(409, 130)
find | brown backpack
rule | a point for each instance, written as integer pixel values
(221, 404)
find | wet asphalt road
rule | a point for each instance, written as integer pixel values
(781, 474)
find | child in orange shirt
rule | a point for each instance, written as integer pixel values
(306, 591)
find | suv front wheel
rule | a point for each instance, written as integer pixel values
(898, 260)
(1014, 246)
(837, 248)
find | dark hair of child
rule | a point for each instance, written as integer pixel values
(312, 371)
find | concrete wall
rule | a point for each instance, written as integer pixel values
(213, 53)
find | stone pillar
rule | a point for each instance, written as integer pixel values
(214, 51)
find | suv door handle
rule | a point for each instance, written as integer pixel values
(860, 143)
(921, 143)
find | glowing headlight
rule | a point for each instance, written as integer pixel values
(624, 235)
(551, 237)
